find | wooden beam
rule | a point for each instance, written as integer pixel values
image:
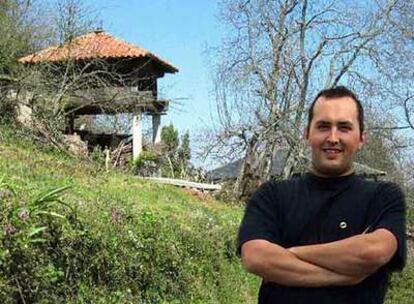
(183, 183)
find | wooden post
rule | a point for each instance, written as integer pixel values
(137, 135)
(107, 159)
(156, 128)
(70, 124)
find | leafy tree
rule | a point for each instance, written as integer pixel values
(184, 151)
(169, 136)
(176, 153)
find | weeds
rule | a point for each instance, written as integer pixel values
(112, 238)
(53, 252)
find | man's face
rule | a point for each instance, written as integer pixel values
(334, 136)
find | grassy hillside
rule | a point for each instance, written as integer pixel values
(110, 238)
(121, 240)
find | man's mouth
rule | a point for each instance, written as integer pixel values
(332, 151)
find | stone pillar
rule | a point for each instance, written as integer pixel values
(137, 135)
(156, 128)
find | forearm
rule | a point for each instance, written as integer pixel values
(276, 264)
(358, 255)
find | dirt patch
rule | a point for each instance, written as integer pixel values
(199, 195)
(76, 145)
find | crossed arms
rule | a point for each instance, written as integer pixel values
(345, 262)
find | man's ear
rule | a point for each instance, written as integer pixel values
(306, 133)
(363, 139)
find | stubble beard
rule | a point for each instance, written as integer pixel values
(334, 170)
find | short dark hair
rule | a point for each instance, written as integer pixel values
(338, 92)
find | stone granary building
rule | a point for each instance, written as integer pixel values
(129, 77)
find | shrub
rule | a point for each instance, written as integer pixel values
(147, 163)
(402, 286)
(54, 253)
(7, 108)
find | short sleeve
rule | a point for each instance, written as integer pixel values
(260, 219)
(388, 211)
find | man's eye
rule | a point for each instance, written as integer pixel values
(323, 128)
(345, 128)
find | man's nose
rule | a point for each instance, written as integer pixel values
(333, 136)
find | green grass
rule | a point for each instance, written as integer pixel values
(402, 286)
(123, 239)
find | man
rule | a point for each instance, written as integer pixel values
(328, 236)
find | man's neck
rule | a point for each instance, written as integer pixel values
(314, 171)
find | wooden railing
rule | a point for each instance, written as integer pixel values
(114, 99)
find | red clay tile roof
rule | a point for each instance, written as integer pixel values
(97, 44)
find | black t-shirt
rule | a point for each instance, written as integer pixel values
(312, 210)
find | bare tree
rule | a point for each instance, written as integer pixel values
(394, 58)
(73, 18)
(22, 28)
(276, 56)
(21, 31)
(46, 88)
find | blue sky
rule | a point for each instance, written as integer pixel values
(178, 31)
